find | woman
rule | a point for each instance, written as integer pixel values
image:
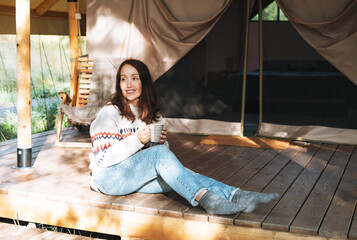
(123, 160)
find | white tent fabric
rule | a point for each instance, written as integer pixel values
(330, 27)
(157, 32)
(160, 32)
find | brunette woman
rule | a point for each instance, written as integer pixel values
(124, 161)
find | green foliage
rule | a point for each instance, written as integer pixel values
(44, 117)
(50, 73)
(271, 13)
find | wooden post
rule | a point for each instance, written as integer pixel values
(73, 42)
(24, 147)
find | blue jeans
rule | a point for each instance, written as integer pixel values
(157, 170)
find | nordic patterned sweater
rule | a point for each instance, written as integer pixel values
(113, 139)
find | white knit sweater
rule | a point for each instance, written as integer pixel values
(113, 139)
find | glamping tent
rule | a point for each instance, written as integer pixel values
(293, 80)
(218, 73)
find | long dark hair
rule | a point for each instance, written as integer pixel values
(148, 101)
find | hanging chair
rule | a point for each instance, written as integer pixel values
(94, 81)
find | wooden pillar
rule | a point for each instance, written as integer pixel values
(73, 42)
(24, 147)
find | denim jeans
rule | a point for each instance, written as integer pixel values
(157, 170)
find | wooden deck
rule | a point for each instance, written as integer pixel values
(317, 184)
(15, 232)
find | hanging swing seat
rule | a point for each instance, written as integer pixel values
(93, 82)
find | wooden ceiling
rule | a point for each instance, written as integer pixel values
(47, 8)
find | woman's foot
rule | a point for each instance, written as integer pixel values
(213, 204)
(252, 199)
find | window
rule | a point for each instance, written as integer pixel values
(271, 13)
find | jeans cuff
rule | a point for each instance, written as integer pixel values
(232, 194)
(193, 200)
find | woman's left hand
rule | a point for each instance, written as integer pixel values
(163, 136)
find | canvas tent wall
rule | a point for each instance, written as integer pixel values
(202, 92)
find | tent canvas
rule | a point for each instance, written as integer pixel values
(202, 90)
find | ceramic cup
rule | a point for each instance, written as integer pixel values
(156, 129)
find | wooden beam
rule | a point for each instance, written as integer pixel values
(73, 43)
(23, 82)
(8, 10)
(44, 6)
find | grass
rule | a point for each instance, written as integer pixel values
(44, 117)
(50, 73)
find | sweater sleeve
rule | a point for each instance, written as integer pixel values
(113, 138)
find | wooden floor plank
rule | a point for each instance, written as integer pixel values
(269, 171)
(248, 171)
(182, 143)
(36, 135)
(36, 143)
(310, 216)
(152, 204)
(280, 184)
(196, 214)
(131, 200)
(284, 212)
(235, 164)
(206, 157)
(262, 178)
(194, 153)
(352, 235)
(209, 167)
(339, 216)
(61, 176)
(16, 232)
(175, 208)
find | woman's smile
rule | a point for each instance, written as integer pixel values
(130, 84)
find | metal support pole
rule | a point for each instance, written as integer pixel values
(245, 66)
(260, 66)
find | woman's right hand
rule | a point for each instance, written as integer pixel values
(144, 134)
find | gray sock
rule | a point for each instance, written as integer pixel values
(252, 199)
(213, 204)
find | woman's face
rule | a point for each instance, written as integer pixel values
(130, 84)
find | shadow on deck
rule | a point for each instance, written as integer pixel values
(317, 184)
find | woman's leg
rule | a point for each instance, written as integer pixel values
(223, 190)
(146, 166)
(157, 185)
(251, 199)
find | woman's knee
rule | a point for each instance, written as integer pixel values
(161, 149)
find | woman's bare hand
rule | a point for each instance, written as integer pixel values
(163, 136)
(144, 134)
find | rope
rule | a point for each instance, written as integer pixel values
(34, 89)
(79, 37)
(43, 82)
(60, 52)
(9, 88)
(48, 65)
(65, 56)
